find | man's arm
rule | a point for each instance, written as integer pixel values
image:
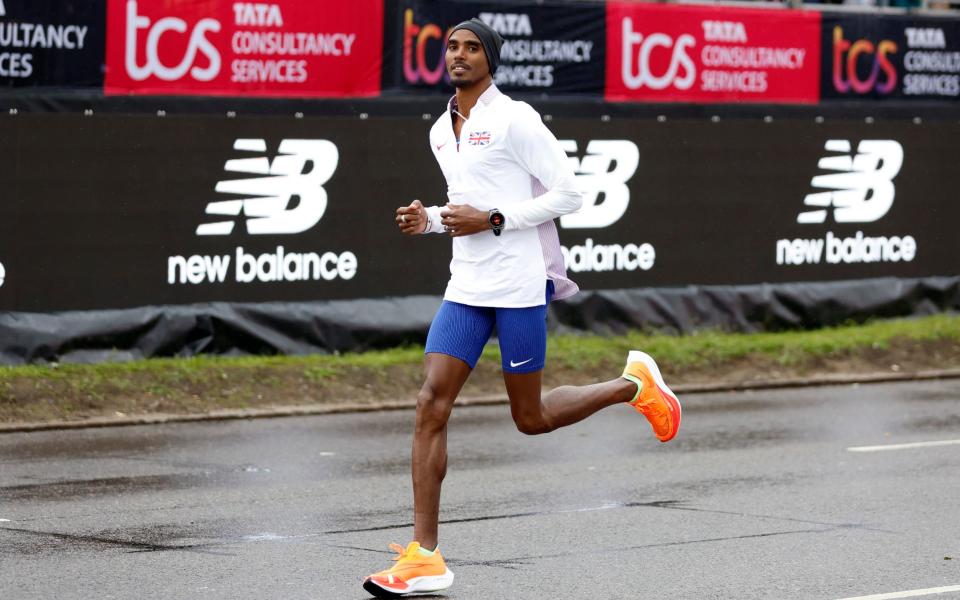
(539, 152)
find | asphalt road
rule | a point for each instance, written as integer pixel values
(758, 497)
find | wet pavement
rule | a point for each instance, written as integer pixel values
(759, 497)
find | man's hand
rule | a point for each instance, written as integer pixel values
(412, 219)
(463, 219)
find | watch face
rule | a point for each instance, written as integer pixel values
(496, 220)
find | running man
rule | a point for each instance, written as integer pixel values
(507, 180)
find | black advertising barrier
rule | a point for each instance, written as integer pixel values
(127, 211)
(165, 235)
(52, 44)
(549, 48)
(744, 202)
(890, 57)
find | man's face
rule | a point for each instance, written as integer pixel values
(466, 62)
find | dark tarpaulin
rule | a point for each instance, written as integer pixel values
(760, 307)
(355, 325)
(214, 328)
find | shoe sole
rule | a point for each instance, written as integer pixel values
(665, 391)
(417, 585)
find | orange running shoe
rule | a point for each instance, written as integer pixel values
(654, 399)
(415, 572)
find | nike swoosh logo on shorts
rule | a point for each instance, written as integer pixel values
(513, 364)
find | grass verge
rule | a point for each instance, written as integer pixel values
(200, 384)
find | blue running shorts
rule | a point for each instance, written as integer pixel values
(461, 331)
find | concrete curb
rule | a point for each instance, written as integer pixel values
(354, 407)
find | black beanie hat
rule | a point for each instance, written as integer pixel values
(491, 40)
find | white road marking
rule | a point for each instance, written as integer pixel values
(264, 537)
(908, 593)
(4, 520)
(903, 446)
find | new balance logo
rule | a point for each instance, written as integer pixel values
(288, 198)
(602, 175)
(861, 189)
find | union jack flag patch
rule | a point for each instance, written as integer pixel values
(478, 138)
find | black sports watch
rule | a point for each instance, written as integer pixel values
(496, 220)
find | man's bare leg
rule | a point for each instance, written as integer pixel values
(561, 406)
(445, 377)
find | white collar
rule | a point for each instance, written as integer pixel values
(486, 98)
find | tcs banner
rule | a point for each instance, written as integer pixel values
(56, 44)
(549, 47)
(662, 53)
(883, 57)
(219, 47)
